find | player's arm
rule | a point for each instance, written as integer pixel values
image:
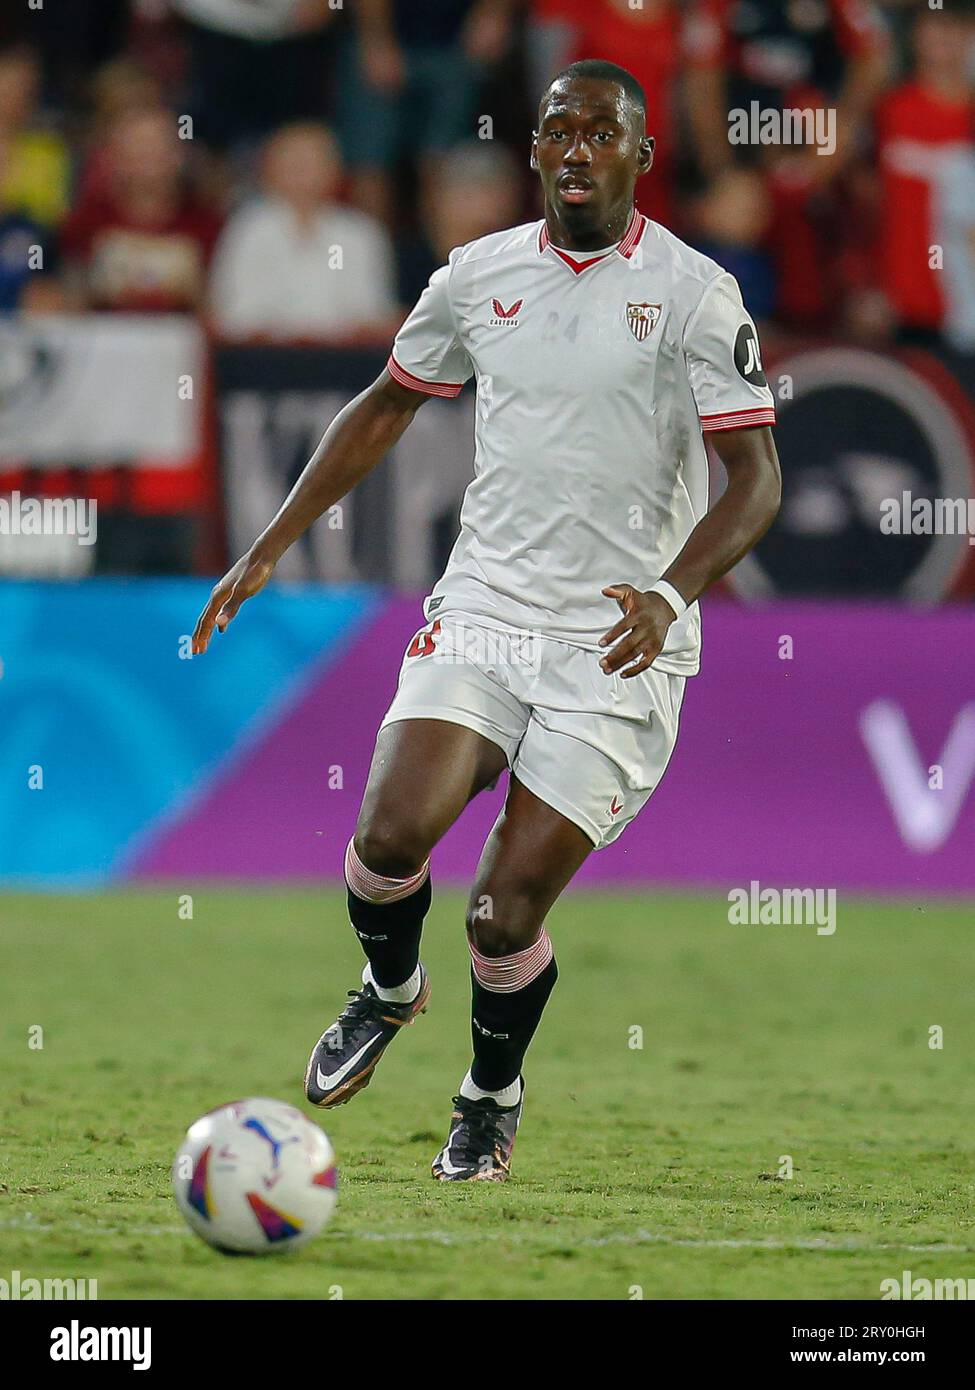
(739, 518)
(427, 359)
(736, 522)
(359, 436)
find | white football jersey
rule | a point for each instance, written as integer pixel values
(597, 376)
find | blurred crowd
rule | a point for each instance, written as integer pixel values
(292, 171)
(226, 157)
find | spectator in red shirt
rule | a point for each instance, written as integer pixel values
(143, 242)
(115, 91)
(140, 241)
(924, 120)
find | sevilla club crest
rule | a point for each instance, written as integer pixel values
(642, 319)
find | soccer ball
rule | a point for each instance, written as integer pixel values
(255, 1177)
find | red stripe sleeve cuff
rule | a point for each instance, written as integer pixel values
(416, 383)
(739, 419)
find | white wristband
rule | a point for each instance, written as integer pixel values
(670, 595)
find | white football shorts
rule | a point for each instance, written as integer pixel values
(592, 745)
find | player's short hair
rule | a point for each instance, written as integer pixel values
(604, 72)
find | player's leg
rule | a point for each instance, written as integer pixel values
(450, 731)
(578, 779)
(423, 774)
(531, 854)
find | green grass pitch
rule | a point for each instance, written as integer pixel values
(653, 1168)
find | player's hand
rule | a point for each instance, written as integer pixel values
(640, 633)
(246, 579)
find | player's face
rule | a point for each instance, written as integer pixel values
(589, 150)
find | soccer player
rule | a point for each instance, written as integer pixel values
(560, 637)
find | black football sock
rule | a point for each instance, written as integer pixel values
(390, 933)
(503, 1023)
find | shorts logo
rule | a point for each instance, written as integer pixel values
(424, 643)
(505, 318)
(642, 319)
(614, 810)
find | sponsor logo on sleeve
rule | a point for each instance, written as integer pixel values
(748, 356)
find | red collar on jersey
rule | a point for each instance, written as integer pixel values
(631, 238)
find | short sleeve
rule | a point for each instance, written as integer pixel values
(427, 354)
(724, 361)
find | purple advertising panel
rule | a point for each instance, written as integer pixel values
(821, 745)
